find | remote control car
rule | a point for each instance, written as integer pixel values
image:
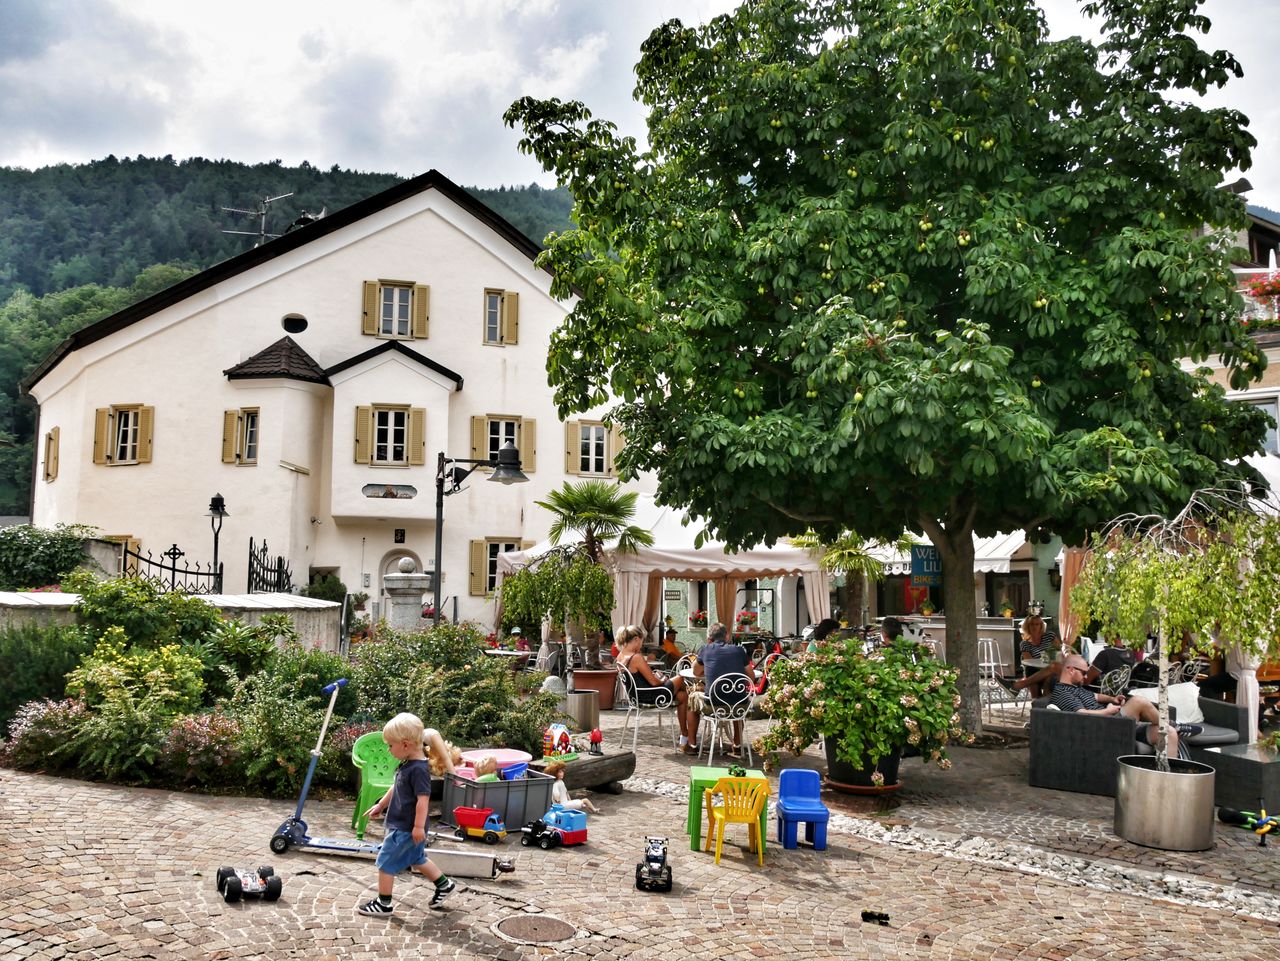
(237, 883)
(540, 833)
(479, 823)
(653, 873)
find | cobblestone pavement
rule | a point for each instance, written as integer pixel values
(967, 864)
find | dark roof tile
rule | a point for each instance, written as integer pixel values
(284, 358)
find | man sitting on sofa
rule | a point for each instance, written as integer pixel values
(1070, 694)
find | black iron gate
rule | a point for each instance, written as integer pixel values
(167, 576)
(267, 574)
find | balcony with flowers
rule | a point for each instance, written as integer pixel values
(1260, 290)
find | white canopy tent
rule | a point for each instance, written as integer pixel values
(638, 576)
(990, 554)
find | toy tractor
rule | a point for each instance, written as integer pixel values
(540, 833)
(653, 873)
(237, 883)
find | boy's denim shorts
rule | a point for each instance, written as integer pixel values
(399, 851)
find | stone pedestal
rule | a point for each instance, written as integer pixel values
(404, 596)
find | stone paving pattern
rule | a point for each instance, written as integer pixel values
(968, 864)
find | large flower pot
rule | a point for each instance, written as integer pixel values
(602, 682)
(854, 779)
(1170, 810)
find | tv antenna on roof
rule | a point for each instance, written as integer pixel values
(261, 213)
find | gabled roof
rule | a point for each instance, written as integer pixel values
(284, 358)
(399, 348)
(431, 180)
(1266, 215)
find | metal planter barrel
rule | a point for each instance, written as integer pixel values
(1171, 810)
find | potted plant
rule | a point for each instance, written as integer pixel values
(1006, 607)
(927, 608)
(746, 621)
(1211, 571)
(358, 600)
(698, 619)
(866, 707)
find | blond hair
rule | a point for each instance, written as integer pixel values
(554, 768)
(403, 727)
(629, 634)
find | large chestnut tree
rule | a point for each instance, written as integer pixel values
(894, 264)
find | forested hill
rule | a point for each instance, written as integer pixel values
(105, 221)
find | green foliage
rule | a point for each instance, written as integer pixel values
(36, 661)
(597, 512)
(121, 738)
(146, 615)
(335, 767)
(380, 669)
(300, 673)
(203, 749)
(871, 704)
(326, 588)
(277, 733)
(36, 557)
(42, 735)
(909, 266)
(166, 677)
(564, 584)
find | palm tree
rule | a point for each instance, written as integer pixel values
(598, 513)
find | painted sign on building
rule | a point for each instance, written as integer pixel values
(926, 566)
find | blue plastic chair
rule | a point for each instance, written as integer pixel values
(799, 790)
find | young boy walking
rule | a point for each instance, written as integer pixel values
(405, 804)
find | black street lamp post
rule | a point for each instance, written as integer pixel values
(217, 512)
(449, 478)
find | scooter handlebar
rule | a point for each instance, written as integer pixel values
(330, 688)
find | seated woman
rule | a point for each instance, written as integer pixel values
(1036, 642)
(821, 632)
(648, 684)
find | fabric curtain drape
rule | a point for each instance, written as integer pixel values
(726, 594)
(630, 594)
(1245, 667)
(817, 595)
(652, 605)
(1073, 559)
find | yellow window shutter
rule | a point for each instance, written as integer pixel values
(51, 454)
(615, 445)
(479, 438)
(510, 317)
(421, 311)
(528, 445)
(479, 568)
(146, 430)
(230, 432)
(101, 433)
(371, 318)
(364, 434)
(572, 445)
(417, 436)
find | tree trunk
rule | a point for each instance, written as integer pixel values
(956, 550)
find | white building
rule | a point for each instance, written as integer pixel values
(312, 382)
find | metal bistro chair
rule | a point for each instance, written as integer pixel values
(727, 702)
(1115, 682)
(662, 701)
(990, 691)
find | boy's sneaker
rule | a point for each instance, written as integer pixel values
(376, 909)
(1188, 730)
(443, 891)
(1008, 684)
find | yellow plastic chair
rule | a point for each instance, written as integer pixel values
(377, 767)
(742, 802)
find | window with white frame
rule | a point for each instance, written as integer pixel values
(123, 434)
(493, 316)
(501, 317)
(492, 550)
(593, 448)
(390, 436)
(124, 444)
(1269, 443)
(501, 431)
(394, 319)
(240, 436)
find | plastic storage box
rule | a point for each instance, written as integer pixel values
(518, 801)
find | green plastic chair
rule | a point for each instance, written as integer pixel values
(377, 767)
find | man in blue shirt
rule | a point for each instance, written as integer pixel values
(718, 658)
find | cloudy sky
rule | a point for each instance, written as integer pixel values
(394, 85)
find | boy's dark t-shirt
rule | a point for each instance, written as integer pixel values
(1110, 658)
(413, 780)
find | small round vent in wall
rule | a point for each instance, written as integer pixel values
(294, 323)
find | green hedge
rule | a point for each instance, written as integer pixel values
(36, 660)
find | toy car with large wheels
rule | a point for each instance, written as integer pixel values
(654, 873)
(237, 883)
(479, 823)
(541, 833)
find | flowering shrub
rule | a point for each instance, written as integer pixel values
(1268, 286)
(202, 749)
(698, 619)
(42, 734)
(869, 704)
(167, 675)
(747, 618)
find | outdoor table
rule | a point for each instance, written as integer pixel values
(1035, 663)
(518, 658)
(701, 778)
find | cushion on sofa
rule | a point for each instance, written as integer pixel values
(1212, 734)
(1184, 698)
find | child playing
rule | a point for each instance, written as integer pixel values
(405, 804)
(560, 793)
